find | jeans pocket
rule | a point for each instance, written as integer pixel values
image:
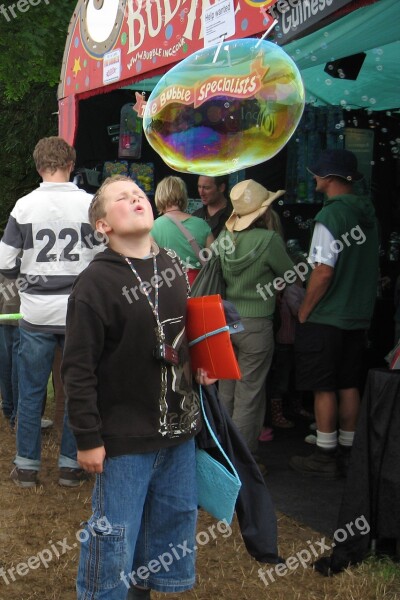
(103, 556)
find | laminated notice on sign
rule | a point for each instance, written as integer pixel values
(219, 22)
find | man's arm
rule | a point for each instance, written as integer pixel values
(10, 249)
(317, 287)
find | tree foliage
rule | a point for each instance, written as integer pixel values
(22, 124)
(32, 45)
(31, 48)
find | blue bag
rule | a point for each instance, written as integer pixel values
(217, 488)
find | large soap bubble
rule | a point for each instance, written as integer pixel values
(214, 118)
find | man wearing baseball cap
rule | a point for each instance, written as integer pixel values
(336, 311)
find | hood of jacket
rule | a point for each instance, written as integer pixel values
(249, 246)
(360, 206)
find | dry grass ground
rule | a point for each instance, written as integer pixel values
(44, 522)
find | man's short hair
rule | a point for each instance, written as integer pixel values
(53, 153)
(222, 179)
(219, 180)
(97, 206)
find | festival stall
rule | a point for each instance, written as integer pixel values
(254, 89)
(116, 52)
(346, 51)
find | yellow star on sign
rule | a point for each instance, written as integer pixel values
(77, 66)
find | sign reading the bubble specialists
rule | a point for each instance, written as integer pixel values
(213, 87)
(219, 22)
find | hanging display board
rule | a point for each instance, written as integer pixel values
(361, 142)
(112, 43)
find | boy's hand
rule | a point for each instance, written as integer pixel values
(92, 460)
(202, 378)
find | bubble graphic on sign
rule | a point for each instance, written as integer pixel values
(214, 118)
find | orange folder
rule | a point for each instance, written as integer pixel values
(209, 338)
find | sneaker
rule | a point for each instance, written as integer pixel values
(321, 463)
(281, 422)
(266, 435)
(306, 414)
(311, 439)
(278, 419)
(24, 478)
(343, 459)
(313, 427)
(136, 593)
(46, 423)
(73, 477)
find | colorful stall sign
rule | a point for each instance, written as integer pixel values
(112, 43)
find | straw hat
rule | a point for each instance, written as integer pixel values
(250, 200)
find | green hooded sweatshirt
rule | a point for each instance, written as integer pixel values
(350, 299)
(259, 256)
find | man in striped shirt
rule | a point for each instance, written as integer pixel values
(47, 242)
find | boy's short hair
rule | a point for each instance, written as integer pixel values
(171, 191)
(53, 153)
(97, 206)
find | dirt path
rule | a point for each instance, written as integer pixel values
(38, 524)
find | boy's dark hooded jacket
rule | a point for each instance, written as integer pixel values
(118, 393)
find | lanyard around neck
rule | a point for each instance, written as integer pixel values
(153, 306)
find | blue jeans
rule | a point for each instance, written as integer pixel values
(9, 342)
(143, 526)
(35, 361)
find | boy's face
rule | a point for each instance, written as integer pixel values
(128, 211)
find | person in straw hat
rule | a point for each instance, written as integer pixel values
(258, 257)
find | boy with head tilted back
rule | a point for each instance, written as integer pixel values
(131, 404)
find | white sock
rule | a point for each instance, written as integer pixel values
(346, 437)
(327, 441)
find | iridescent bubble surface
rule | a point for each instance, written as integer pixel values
(214, 118)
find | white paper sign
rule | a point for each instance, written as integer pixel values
(112, 66)
(218, 22)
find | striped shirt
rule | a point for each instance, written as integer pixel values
(47, 242)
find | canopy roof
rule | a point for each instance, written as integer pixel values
(372, 29)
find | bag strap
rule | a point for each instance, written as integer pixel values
(201, 338)
(188, 236)
(214, 437)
